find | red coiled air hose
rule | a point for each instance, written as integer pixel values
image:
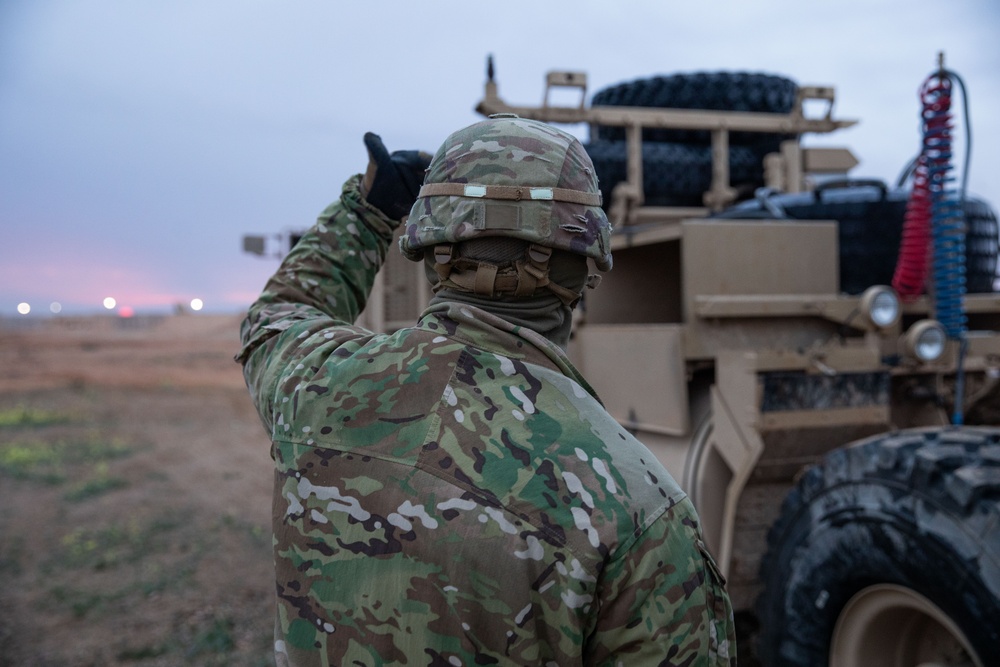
(914, 248)
(912, 266)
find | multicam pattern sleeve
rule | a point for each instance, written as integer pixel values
(664, 602)
(323, 282)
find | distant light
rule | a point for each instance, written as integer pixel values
(55, 307)
(110, 303)
(197, 304)
(24, 308)
(125, 311)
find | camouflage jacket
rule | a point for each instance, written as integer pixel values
(454, 493)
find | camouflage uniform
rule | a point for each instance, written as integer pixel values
(454, 493)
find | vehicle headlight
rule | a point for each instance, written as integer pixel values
(926, 340)
(880, 305)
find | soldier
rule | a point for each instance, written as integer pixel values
(454, 493)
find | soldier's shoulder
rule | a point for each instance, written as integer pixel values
(607, 436)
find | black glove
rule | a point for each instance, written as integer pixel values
(392, 182)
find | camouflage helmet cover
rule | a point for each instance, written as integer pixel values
(511, 177)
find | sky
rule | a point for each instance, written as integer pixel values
(139, 141)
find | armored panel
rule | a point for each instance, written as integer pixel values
(758, 257)
(639, 373)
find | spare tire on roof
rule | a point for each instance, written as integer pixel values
(673, 174)
(719, 91)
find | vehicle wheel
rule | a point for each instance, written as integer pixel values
(888, 553)
(673, 174)
(886, 624)
(721, 91)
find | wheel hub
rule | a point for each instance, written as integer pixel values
(895, 626)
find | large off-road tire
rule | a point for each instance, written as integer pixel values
(720, 91)
(982, 233)
(888, 553)
(673, 174)
(870, 218)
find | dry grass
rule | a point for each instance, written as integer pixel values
(135, 482)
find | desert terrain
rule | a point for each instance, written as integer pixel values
(135, 494)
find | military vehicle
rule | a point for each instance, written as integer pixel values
(757, 349)
(835, 437)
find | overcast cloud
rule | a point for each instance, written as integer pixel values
(139, 141)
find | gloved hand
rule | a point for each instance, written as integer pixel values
(392, 182)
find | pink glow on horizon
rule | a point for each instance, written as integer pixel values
(77, 278)
(73, 280)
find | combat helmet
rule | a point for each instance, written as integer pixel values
(508, 178)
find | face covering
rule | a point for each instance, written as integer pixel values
(542, 311)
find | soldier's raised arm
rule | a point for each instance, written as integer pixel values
(325, 280)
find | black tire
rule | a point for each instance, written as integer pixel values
(673, 174)
(918, 510)
(982, 236)
(870, 228)
(720, 91)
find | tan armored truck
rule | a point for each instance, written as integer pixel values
(757, 350)
(748, 336)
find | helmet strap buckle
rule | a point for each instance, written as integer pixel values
(487, 279)
(444, 258)
(533, 271)
(485, 282)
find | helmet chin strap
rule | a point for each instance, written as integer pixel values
(519, 278)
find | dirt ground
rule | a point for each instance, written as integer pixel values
(135, 492)
(135, 486)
